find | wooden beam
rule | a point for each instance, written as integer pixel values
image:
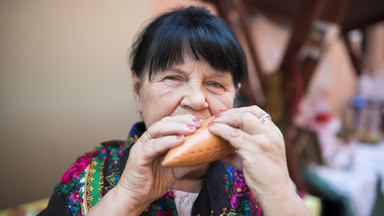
(308, 12)
(244, 16)
(362, 13)
(356, 61)
(333, 11)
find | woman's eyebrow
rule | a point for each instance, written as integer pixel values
(222, 74)
(217, 74)
(179, 70)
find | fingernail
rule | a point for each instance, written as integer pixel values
(221, 111)
(216, 116)
(197, 120)
(180, 136)
(192, 127)
(210, 124)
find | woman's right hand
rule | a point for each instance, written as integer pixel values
(144, 178)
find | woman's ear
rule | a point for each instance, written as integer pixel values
(136, 86)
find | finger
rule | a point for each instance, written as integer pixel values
(245, 121)
(247, 146)
(233, 135)
(175, 125)
(155, 148)
(254, 110)
(265, 119)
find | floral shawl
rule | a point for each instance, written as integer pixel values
(96, 172)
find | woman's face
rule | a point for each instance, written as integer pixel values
(190, 88)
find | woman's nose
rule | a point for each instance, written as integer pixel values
(194, 98)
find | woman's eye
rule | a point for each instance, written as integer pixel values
(215, 84)
(172, 78)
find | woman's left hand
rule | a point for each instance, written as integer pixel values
(260, 150)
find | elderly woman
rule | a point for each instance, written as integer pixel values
(186, 66)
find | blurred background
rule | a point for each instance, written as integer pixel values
(316, 66)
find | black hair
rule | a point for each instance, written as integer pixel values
(190, 31)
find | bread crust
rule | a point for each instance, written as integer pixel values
(201, 147)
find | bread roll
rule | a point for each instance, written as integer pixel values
(198, 148)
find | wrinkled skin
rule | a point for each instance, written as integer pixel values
(173, 104)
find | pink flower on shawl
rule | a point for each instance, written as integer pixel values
(168, 195)
(239, 190)
(80, 165)
(75, 196)
(120, 153)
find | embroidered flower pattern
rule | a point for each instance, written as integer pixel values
(240, 196)
(96, 172)
(74, 171)
(75, 196)
(72, 183)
